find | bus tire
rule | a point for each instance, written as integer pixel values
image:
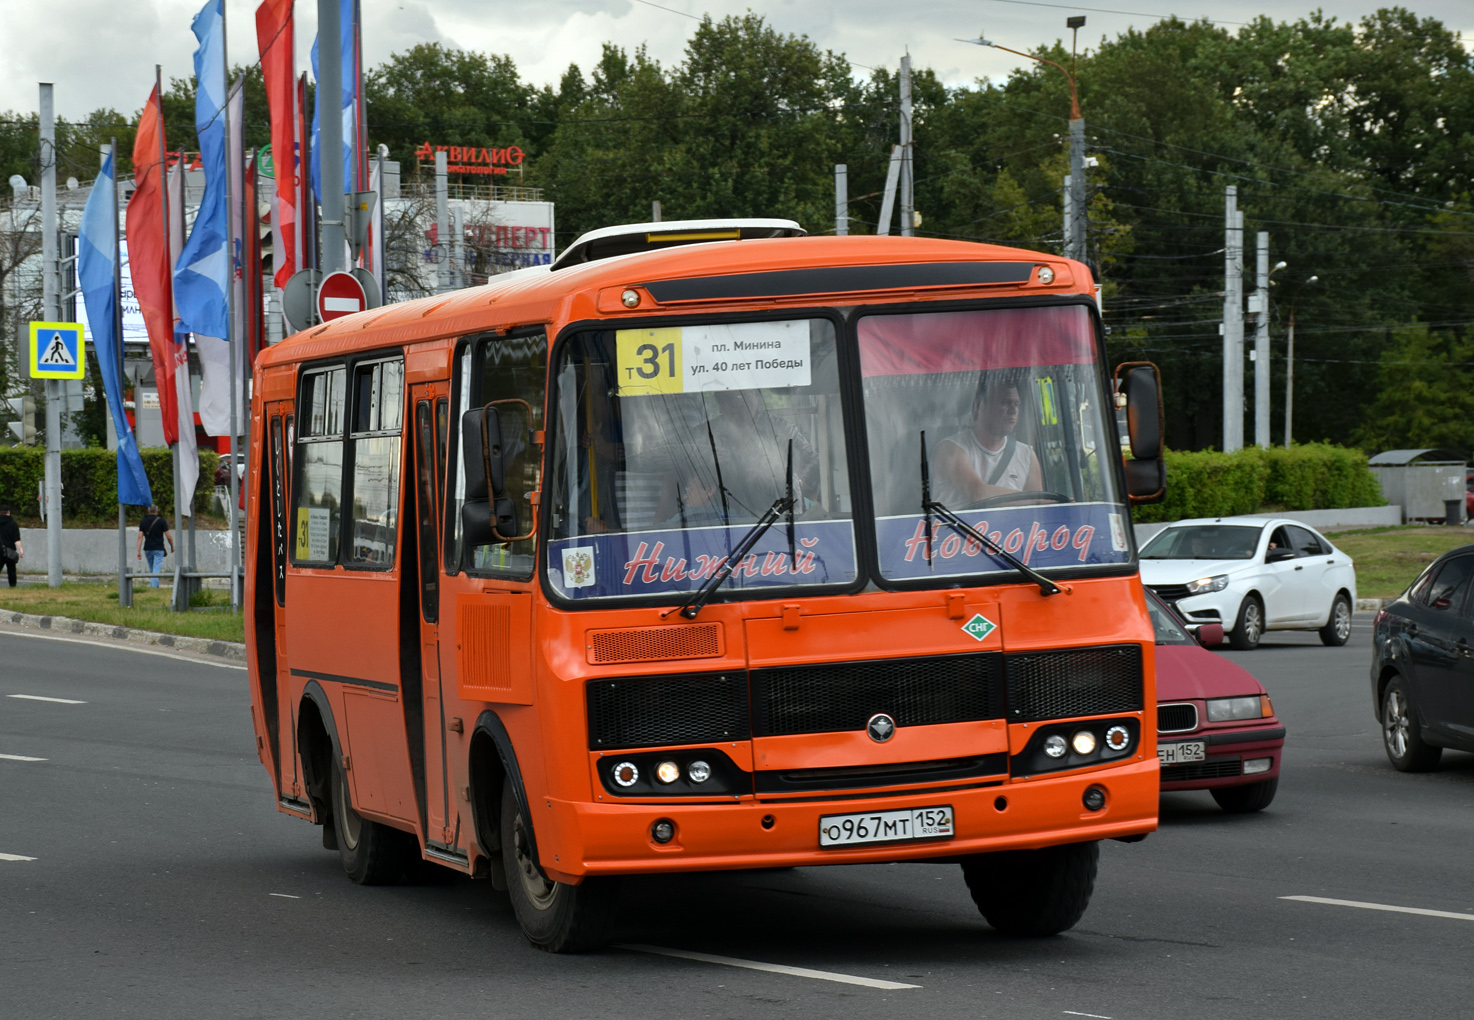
(372, 854)
(1033, 892)
(555, 917)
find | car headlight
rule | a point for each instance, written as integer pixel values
(1203, 585)
(1230, 709)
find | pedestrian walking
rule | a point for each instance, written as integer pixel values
(153, 532)
(11, 549)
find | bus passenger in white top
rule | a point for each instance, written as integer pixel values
(985, 460)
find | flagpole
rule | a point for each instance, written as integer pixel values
(125, 590)
(164, 218)
(234, 338)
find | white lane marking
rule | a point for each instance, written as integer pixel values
(84, 639)
(38, 697)
(20, 757)
(284, 895)
(1071, 1012)
(1380, 906)
(772, 968)
(15, 857)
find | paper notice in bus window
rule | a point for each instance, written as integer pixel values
(313, 524)
(578, 567)
(696, 359)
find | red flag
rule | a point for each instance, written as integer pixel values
(148, 257)
(275, 31)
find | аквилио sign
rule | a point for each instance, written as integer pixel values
(469, 159)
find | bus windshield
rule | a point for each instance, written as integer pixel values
(1012, 408)
(668, 444)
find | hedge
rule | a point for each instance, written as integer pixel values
(1315, 476)
(89, 480)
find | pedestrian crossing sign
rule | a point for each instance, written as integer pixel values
(56, 350)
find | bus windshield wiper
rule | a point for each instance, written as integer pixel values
(930, 506)
(782, 506)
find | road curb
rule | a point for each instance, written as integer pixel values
(1371, 605)
(66, 625)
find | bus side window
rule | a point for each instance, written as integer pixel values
(425, 511)
(513, 368)
(317, 492)
(378, 407)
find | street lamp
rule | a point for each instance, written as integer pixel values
(1075, 236)
(1290, 362)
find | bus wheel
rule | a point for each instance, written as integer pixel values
(556, 917)
(373, 854)
(1033, 892)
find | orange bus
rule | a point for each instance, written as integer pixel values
(710, 546)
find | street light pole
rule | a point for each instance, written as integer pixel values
(1290, 364)
(1075, 235)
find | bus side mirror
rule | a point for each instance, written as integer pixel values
(1146, 472)
(491, 439)
(489, 521)
(481, 449)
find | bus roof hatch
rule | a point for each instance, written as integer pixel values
(629, 238)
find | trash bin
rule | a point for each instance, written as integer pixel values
(1453, 512)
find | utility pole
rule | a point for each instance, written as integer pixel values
(655, 211)
(330, 126)
(841, 200)
(442, 225)
(1233, 322)
(1260, 308)
(1075, 247)
(1069, 210)
(458, 249)
(1290, 367)
(51, 312)
(908, 196)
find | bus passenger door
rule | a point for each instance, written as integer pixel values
(429, 467)
(277, 451)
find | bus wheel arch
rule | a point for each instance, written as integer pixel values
(318, 748)
(492, 765)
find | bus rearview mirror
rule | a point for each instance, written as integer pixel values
(481, 450)
(1146, 472)
(489, 521)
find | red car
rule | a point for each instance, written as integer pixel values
(1216, 729)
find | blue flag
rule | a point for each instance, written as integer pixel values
(347, 18)
(202, 274)
(97, 255)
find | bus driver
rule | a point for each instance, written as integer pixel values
(986, 460)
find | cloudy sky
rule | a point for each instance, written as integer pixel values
(102, 52)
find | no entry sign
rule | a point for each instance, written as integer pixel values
(339, 295)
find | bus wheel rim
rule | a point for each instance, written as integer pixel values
(537, 886)
(350, 825)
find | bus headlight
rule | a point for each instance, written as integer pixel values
(1083, 742)
(1117, 737)
(1055, 746)
(626, 774)
(667, 772)
(698, 772)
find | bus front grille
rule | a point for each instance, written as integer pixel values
(1074, 682)
(841, 696)
(660, 711)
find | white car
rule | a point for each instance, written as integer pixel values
(1252, 574)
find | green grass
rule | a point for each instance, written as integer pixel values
(1388, 559)
(98, 603)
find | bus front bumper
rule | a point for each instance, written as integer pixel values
(577, 839)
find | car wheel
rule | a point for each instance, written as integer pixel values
(556, 917)
(1243, 800)
(1249, 627)
(373, 854)
(1338, 624)
(1033, 892)
(1401, 735)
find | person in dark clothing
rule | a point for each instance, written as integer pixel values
(11, 549)
(153, 532)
